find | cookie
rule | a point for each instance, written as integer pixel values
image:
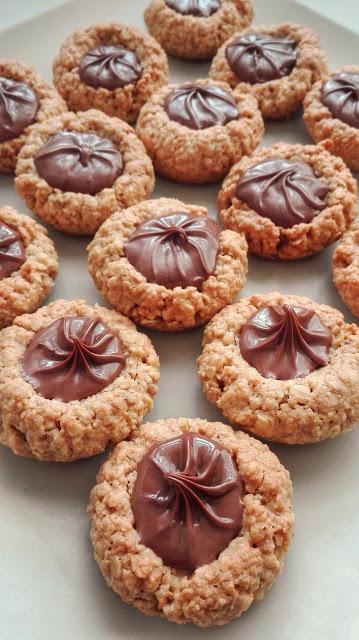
(74, 378)
(290, 201)
(25, 99)
(195, 29)
(111, 67)
(331, 114)
(346, 268)
(280, 63)
(28, 265)
(283, 368)
(194, 132)
(142, 516)
(166, 264)
(77, 169)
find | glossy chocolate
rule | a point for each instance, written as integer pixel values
(18, 108)
(12, 252)
(186, 500)
(197, 8)
(110, 67)
(258, 58)
(177, 250)
(79, 162)
(285, 342)
(341, 95)
(285, 191)
(73, 358)
(199, 106)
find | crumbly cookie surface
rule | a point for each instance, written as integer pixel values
(213, 594)
(271, 241)
(336, 136)
(281, 97)
(34, 426)
(79, 213)
(197, 156)
(192, 38)
(25, 289)
(153, 305)
(346, 268)
(50, 104)
(123, 102)
(319, 406)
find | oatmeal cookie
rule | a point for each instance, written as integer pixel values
(25, 99)
(194, 132)
(195, 29)
(283, 367)
(28, 265)
(74, 378)
(331, 114)
(346, 268)
(77, 169)
(279, 62)
(290, 201)
(221, 590)
(111, 67)
(166, 265)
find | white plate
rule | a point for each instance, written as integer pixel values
(50, 587)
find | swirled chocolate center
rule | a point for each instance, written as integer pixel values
(12, 252)
(341, 95)
(73, 358)
(285, 191)
(285, 342)
(177, 250)
(79, 162)
(199, 106)
(197, 8)
(258, 58)
(110, 67)
(18, 108)
(187, 500)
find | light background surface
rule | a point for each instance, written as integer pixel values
(344, 12)
(50, 587)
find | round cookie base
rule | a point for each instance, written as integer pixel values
(334, 135)
(213, 594)
(79, 213)
(346, 268)
(301, 240)
(27, 287)
(303, 410)
(203, 155)
(280, 98)
(123, 102)
(191, 38)
(50, 430)
(152, 305)
(50, 105)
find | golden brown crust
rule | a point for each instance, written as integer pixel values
(197, 156)
(346, 268)
(153, 305)
(270, 241)
(25, 289)
(124, 102)
(45, 429)
(80, 213)
(214, 594)
(319, 406)
(279, 98)
(192, 38)
(50, 104)
(336, 136)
